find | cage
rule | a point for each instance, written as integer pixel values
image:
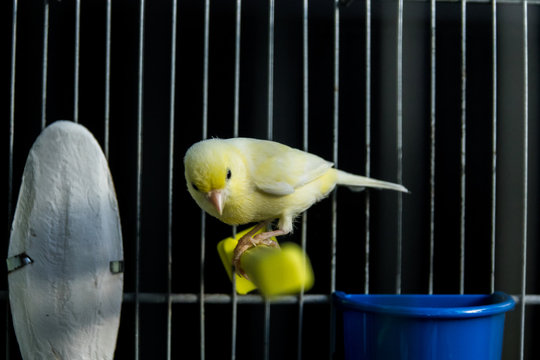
(441, 96)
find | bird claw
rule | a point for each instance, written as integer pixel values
(247, 242)
(239, 270)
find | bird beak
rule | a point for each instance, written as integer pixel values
(216, 198)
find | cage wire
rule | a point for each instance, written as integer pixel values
(441, 96)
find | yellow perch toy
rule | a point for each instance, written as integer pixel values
(271, 270)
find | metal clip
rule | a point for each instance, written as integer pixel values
(117, 266)
(18, 261)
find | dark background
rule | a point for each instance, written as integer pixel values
(287, 128)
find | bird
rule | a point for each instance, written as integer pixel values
(245, 180)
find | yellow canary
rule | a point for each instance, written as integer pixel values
(243, 180)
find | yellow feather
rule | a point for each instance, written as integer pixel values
(262, 180)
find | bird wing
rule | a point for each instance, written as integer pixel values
(278, 169)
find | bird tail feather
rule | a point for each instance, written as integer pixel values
(358, 183)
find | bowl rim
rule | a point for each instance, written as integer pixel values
(414, 305)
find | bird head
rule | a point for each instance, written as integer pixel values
(212, 167)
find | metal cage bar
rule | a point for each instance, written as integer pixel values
(335, 143)
(238, 28)
(399, 144)
(236, 126)
(226, 298)
(335, 119)
(76, 56)
(367, 213)
(10, 149)
(12, 108)
(493, 140)
(525, 201)
(234, 313)
(270, 62)
(269, 136)
(107, 110)
(174, 19)
(44, 64)
(463, 150)
(202, 293)
(140, 98)
(305, 146)
(432, 142)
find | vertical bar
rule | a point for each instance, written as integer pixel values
(524, 224)
(271, 11)
(11, 142)
(305, 75)
(301, 294)
(305, 123)
(433, 28)
(205, 68)
(236, 116)
(202, 313)
(368, 145)
(463, 143)
(12, 108)
(171, 177)
(76, 65)
(206, 55)
(234, 301)
(270, 135)
(236, 113)
(493, 140)
(236, 126)
(335, 133)
(140, 89)
(266, 328)
(107, 77)
(44, 64)
(335, 144)
(399, 144)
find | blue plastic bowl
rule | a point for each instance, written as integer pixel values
(421, 327)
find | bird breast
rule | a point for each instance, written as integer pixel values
(253, 205)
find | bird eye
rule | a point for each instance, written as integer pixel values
(194, 186)
(229, 174)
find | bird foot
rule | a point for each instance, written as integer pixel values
(248, 241)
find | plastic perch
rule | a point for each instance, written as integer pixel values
(273, 271)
